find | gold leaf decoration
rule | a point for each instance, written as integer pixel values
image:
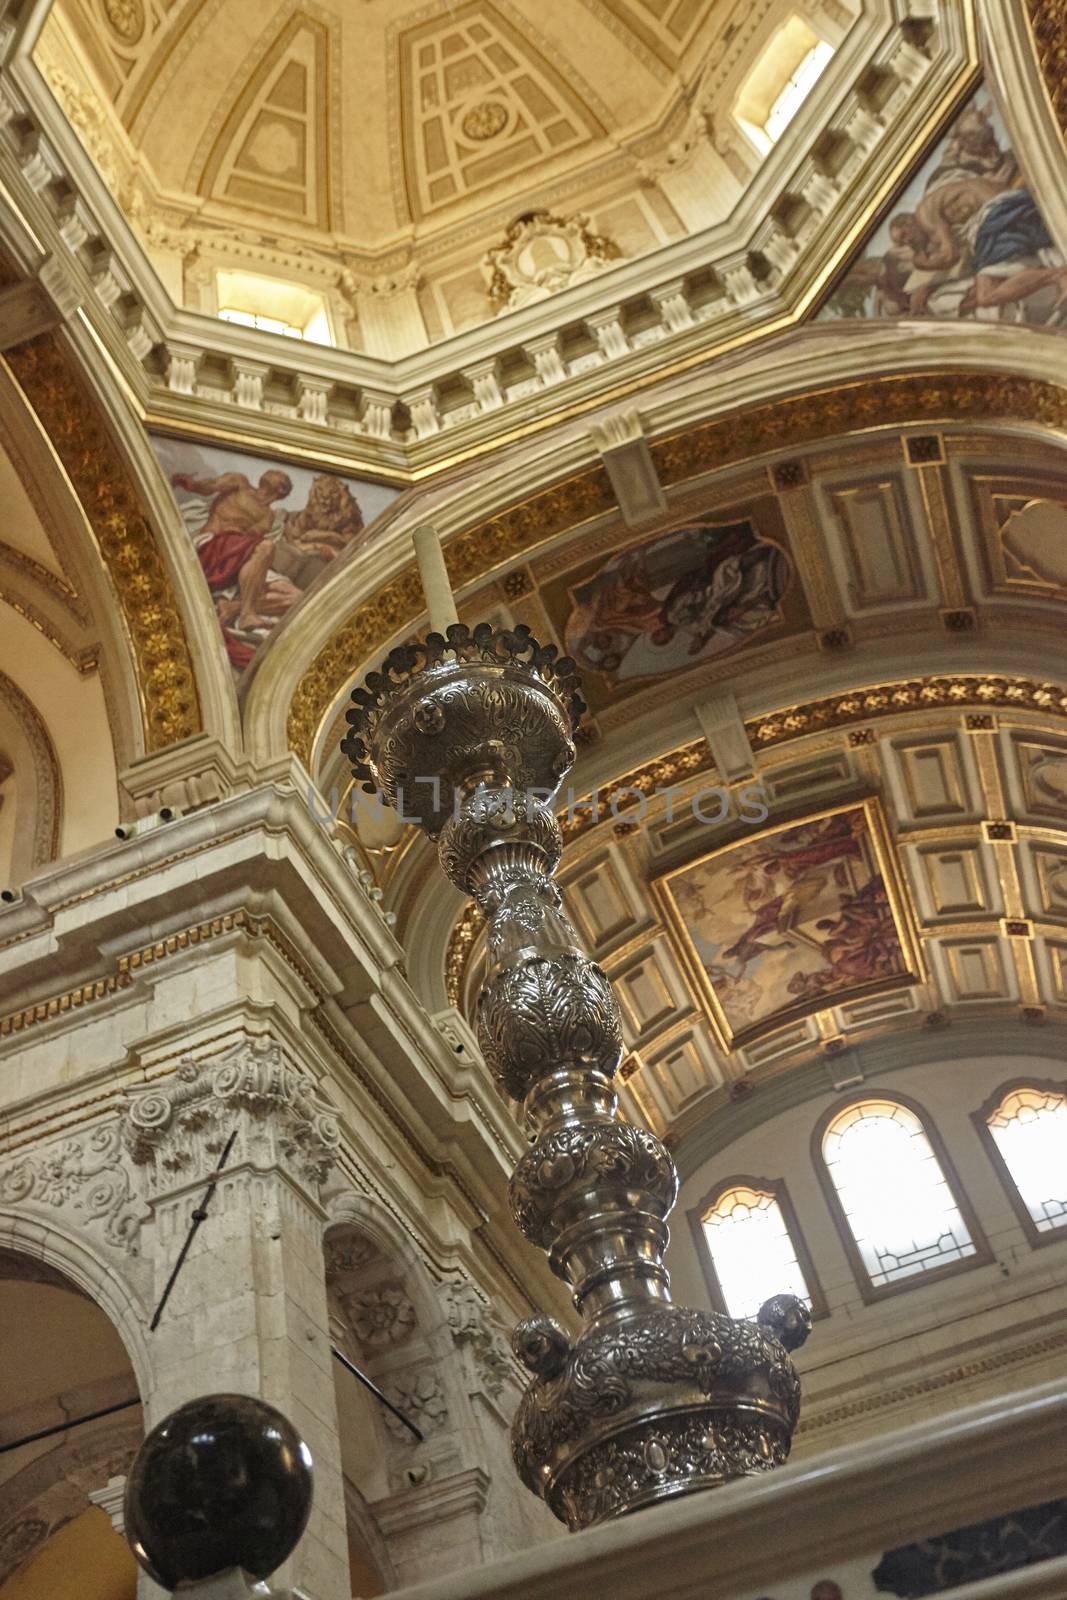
(127, 543)
(725, 441)
(1048, 20)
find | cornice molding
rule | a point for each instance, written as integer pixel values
(133, 316)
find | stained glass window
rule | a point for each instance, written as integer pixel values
(1029, 1128)
(751, 1250)
(895, 1197)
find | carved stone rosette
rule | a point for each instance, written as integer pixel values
(474, 735)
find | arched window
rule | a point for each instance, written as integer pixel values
(1025, 1125)
(751, 1248)
(888, 1185)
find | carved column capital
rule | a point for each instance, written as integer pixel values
(178, 1128)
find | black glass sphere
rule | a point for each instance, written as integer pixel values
(223, 1482)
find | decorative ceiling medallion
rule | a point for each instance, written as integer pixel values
(474, 77)
(127, 542)
(485, 120)
(273, 150)
(542, 254)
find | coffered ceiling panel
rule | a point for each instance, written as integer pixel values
(272, 152)
(481, 102)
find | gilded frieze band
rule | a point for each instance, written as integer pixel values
(127, 543)
(786, 424)
(1048, 19)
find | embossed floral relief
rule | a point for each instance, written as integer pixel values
(88, 1176)
(420, 1395)
(380, 1316)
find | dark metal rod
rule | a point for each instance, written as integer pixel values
(375, 1391)
(197, 1218)
(61, 1427)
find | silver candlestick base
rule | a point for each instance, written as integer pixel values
(473, 736)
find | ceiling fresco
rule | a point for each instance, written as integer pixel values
(264, 531)
(964, 239)
(777, 925)
(887, 856)
(677, 599)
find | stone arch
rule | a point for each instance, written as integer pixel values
(174, 684)
(64, 1253)
(85, 1375)
(823, 383)
(388, 1317)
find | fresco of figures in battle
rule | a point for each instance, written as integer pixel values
(657, 608)
(789, 921)
(263, 531)
(964, 239)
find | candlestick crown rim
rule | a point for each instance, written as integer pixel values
(645, 1407)
(407, 665)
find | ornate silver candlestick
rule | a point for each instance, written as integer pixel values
(473, 736)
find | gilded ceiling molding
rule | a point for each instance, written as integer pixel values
(806, 418)
(125, 970)
(786, 424)
(460, 947)
(166, 682)
(989, 692)
(1048, 20)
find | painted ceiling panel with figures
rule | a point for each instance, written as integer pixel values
(965, 238)
(794, 882)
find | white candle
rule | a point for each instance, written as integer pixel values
(434, 575)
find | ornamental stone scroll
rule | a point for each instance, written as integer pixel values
(176, 1129)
